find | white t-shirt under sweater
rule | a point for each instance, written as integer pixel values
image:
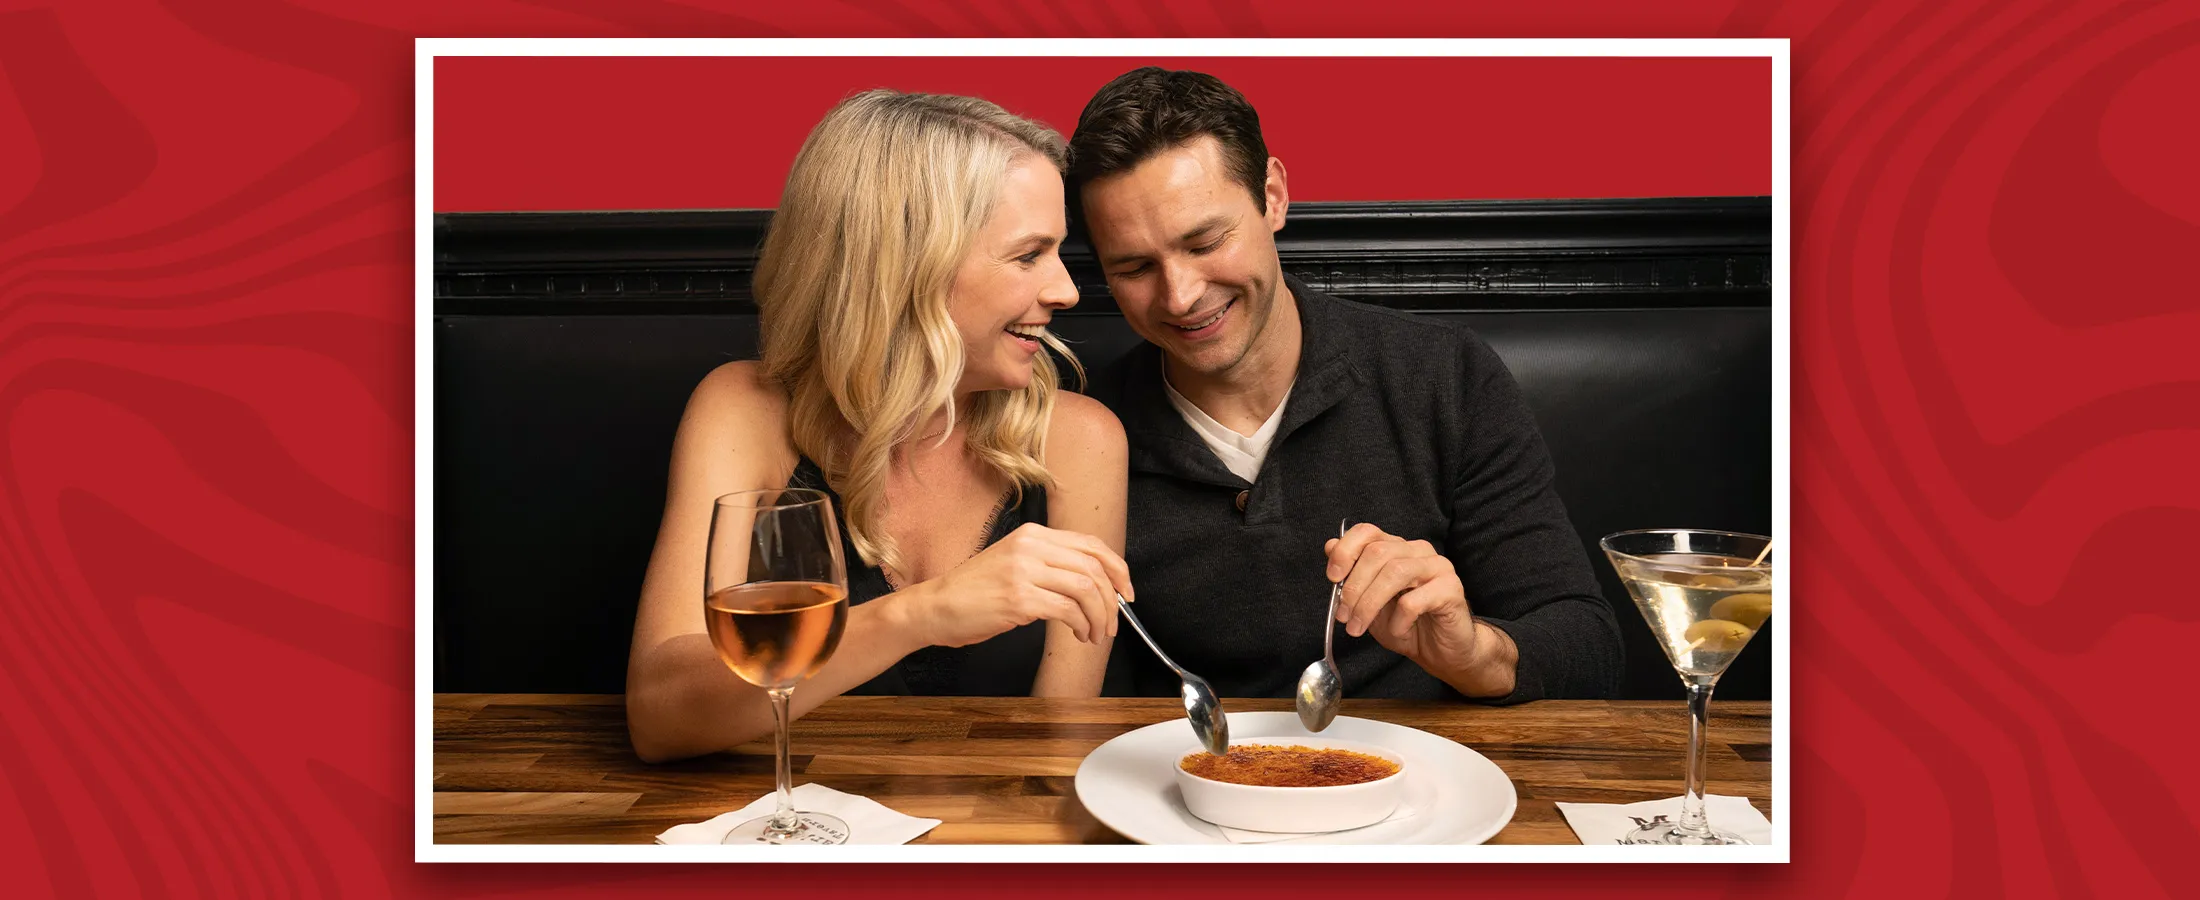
(1240, 453)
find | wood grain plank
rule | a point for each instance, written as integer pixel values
(455, 761)
(868, 784)
(1753, 752)
(945, 765)
(1002, 833)
(868, 746)
(526, 780)
(559, 769)
(532, 803)
(552, 829)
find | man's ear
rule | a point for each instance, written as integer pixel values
(1278, 192)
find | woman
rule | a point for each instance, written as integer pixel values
(904, 291)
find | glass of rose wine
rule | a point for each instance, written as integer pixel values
(775, 588)
(1704, 595)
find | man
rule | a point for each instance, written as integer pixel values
(1260, 412)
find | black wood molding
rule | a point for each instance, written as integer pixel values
(1468, 255)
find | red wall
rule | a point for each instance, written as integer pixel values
(547, 133)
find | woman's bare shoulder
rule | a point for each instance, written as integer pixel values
(742, 382)
(738, 406)
(1083, 432)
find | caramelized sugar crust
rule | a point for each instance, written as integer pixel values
(1269, 765)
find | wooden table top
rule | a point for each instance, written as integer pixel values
(557, 768)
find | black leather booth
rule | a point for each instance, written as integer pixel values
(565, 346)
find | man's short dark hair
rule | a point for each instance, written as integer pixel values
(1146, 111)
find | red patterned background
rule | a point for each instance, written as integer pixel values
(205, 443)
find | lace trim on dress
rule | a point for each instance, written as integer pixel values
(985, 539)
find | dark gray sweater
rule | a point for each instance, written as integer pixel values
(1410, 424)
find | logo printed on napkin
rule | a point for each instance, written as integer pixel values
(1611, 823)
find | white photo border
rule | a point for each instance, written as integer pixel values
(427, 50)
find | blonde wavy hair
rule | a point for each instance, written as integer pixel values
(881, 206)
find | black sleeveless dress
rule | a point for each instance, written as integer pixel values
(1003, 666)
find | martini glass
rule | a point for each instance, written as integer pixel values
(1704, 594)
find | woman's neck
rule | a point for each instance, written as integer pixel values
(936, 436)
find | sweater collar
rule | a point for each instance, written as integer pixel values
(1160, 440)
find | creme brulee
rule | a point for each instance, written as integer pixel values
(1268, 765)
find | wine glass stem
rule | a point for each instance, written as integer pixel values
(1699, 724)
(783, 820)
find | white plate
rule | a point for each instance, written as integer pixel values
(1129, 783)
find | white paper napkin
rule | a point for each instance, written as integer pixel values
(869, 822)
(1606, 823)
(1408, 807)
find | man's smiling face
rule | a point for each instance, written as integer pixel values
(1188, 253)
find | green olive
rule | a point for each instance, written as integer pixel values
(1749, 609)
(1718, 635)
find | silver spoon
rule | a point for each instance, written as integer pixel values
(1200, 704)
(1320, 687)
